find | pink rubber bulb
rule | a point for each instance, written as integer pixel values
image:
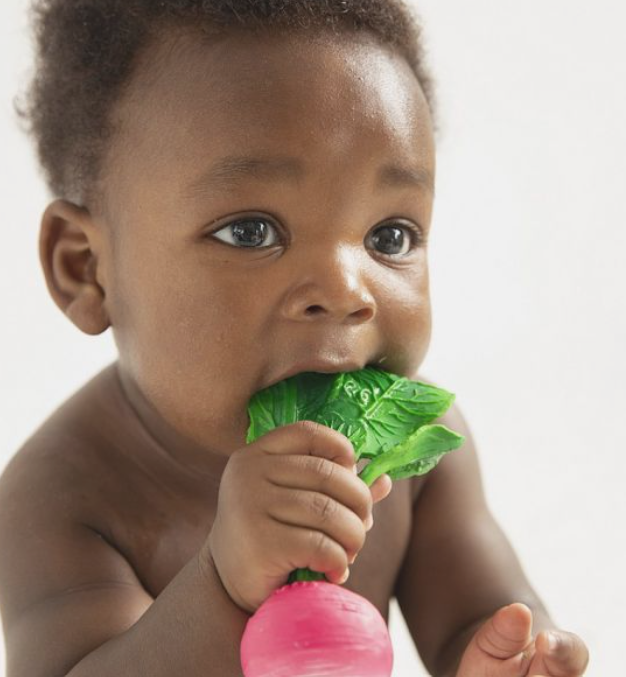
(316, 629)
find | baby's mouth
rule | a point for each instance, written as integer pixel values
(320, 366)
(324, 366)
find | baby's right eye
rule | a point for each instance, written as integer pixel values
(251, 232)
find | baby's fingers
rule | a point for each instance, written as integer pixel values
(559, 654)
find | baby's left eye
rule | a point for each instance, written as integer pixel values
(393, 240)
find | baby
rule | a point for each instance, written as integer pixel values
(244, 191)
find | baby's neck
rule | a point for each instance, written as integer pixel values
(185, 454)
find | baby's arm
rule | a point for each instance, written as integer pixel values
(72, 604)
(460, 568)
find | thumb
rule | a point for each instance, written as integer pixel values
(502, 646)
(507, 632)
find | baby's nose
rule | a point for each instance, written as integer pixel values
(335, 289)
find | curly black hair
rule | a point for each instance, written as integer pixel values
(86, 49)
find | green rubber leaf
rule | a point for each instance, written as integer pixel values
(416, 455)
(374, 409)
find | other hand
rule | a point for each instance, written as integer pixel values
(505, 647)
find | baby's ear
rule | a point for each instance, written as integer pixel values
(69, 248)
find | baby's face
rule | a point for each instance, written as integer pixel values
(227, 274)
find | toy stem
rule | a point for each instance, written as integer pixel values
(372, 471)
(305, 575)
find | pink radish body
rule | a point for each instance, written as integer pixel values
(316, 629)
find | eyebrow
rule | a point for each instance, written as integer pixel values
(228, 171)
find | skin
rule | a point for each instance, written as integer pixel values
(150, 456)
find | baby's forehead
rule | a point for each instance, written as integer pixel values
(240, 70)
(244, 92)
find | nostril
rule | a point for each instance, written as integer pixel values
(363, 314)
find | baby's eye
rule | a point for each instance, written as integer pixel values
(247, 233)
(393, 240)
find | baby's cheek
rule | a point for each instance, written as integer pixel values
(407, 310)
(406, 325)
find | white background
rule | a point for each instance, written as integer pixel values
(527, 277)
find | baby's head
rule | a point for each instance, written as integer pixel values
(244, 191)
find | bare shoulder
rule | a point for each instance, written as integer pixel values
(58, 569)
(59, 483)
(60, 466)
(47, 514)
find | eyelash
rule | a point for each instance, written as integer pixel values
(415, 234)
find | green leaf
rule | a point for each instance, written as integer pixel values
(374, 409)
(416, 455)
(291, 400)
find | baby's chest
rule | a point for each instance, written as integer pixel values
(159, 539)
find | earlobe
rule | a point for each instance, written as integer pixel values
(70, 247)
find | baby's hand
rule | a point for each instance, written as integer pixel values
(504, 647)
(289, 500)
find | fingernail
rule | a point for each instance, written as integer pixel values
(553, 641)
(345, 577)
(354, 470)
(352, 560)
(369, 523)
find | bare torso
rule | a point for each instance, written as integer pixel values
(120, 482)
